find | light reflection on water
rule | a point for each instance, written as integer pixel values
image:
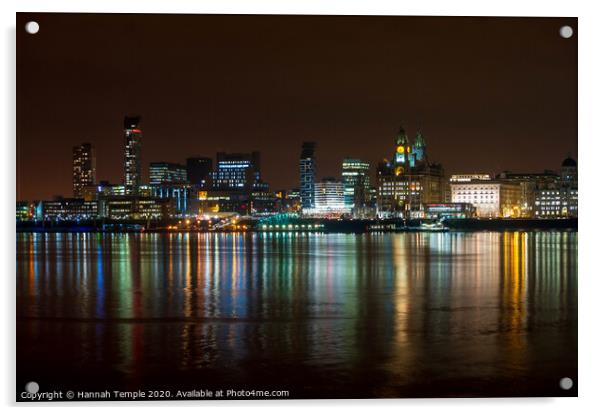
(409, 314)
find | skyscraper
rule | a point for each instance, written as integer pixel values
(132, 164)
(198, 170)
(356, 180)
(84, 168)
(307, 171)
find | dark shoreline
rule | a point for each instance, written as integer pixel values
(321, 225)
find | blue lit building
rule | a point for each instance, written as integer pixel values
(307, 173)
(356, 182)
(237, 171)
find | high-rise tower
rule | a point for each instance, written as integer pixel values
(132, 165)
(307, 172)
(84, 168)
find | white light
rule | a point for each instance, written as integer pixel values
(566, 31)
(32, 28)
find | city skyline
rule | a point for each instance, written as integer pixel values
(146, 167)
(474, 86)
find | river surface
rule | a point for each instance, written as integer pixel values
(317, 315)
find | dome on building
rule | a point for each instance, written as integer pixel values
(569, 162)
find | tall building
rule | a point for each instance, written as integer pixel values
(307, 172)
(166, 173)
(132, 163)
(237, 171)
(198, 170)
(356, 182)
(409, 180)
(84, 168)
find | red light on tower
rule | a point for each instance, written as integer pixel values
(136, 130)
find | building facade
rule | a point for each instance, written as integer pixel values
(132, 162)
(84, 168)
(307, 175)
(491, 198)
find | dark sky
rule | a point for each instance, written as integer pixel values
(490, 94)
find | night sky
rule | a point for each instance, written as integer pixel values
(489, 94)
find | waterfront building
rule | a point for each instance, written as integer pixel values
(132, 158)
(329, 198)
(409, 180)
(449, 211)
(530, 184)
(198, 170)
(67, 209)
(356, 183)
(491, 198)
(560, 198)
(84, 168)
(166, 173)
(307, 174)
(135, 208)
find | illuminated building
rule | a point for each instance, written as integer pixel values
(307, 174)
(491, 198)
(329, 198)
(409, 180)
(449, 210)
(198, 170)
(135, 208)
(166, 173)
(530, 184)
(184, 197)
(356, 182)
(84, 168)
(237, 171)
(24, 211)
(66, 210)
(559, 199)
(132, 162)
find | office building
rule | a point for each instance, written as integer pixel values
(84, 168)
(237, 171)
(132, 162)
(329, 198)
(166, 173)
(307, 172)
(356, 182)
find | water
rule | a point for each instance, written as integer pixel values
(318, 315)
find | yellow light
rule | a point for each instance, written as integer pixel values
(400, 149)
